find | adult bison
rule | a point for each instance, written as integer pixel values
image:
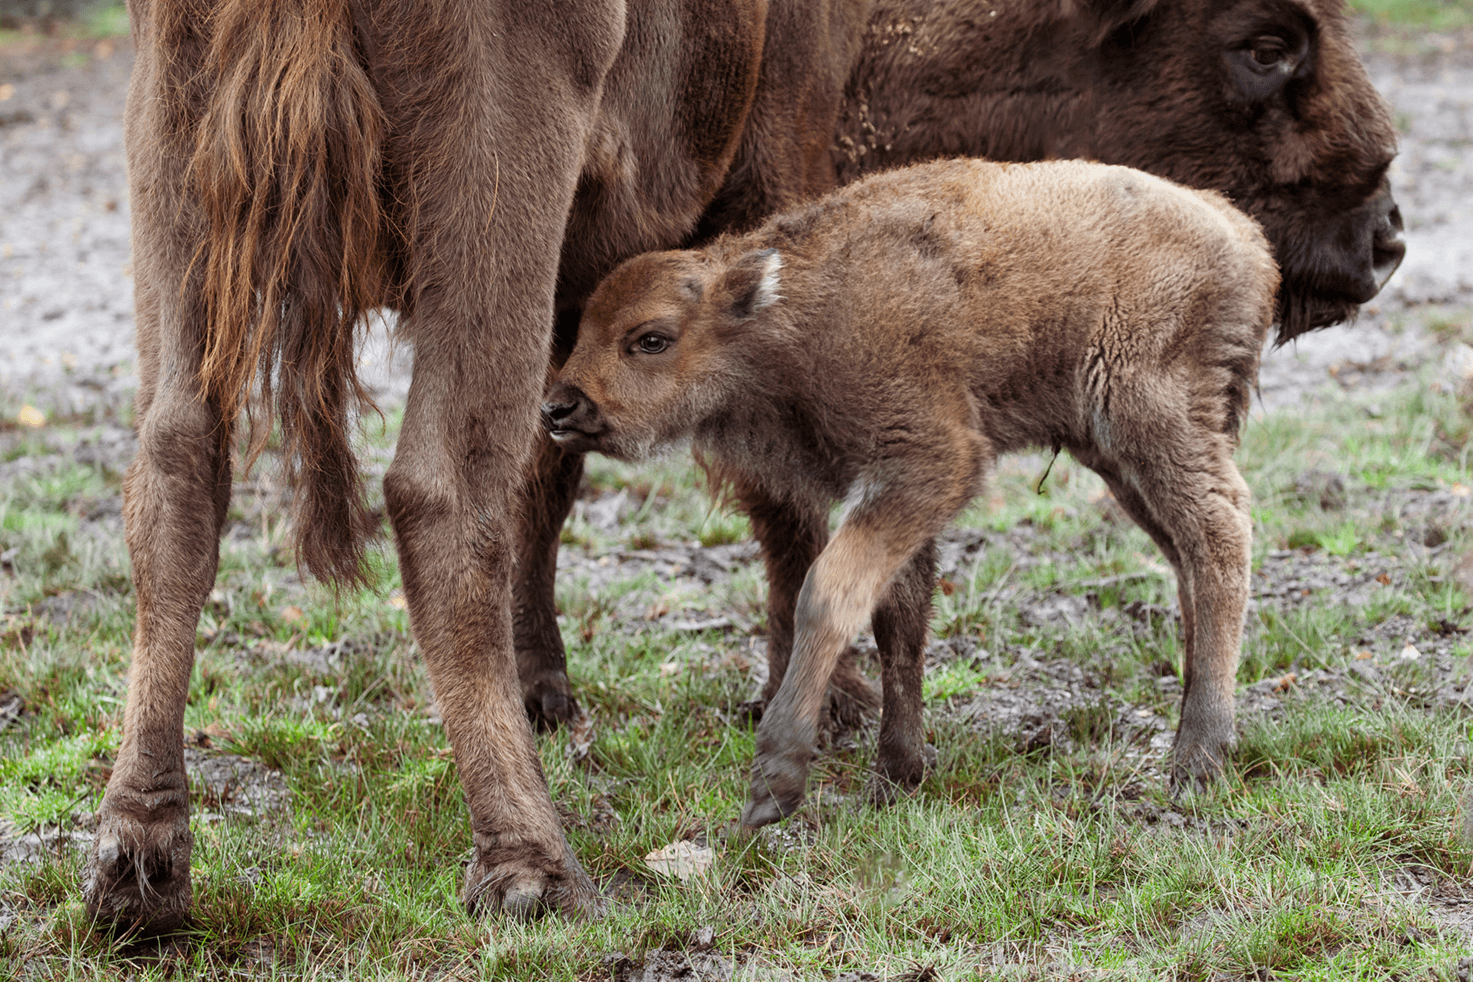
(1263, 100)
(476, 165)
(473, 164)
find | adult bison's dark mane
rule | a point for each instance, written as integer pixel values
(1263, 100)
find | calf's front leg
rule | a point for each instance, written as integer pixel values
(901, 623)
(792, 536)
(840, 591)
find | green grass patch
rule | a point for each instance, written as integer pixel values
(1436, 15)
(1019, 858)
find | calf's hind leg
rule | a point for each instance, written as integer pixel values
(901, 622)
(1198, 514)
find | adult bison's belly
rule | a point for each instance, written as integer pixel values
(674, 107)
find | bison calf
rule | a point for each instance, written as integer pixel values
(885, 344)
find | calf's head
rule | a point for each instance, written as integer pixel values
(660, 351)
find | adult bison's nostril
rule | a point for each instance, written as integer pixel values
(1389, 244)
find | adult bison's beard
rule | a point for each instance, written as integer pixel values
(1334, 265)
(1300, 311)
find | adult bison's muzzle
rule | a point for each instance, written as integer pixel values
(1388, 240)
(1328, 277)
(1370, 245)
(571, 418)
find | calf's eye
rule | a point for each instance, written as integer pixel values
(653, 344)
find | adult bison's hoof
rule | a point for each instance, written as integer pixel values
(137, 874)
(548, 698)
(778, 783)
(1197, 762)
(524, 884)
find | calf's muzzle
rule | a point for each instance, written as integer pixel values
(571, 418)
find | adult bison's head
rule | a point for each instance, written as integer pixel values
(1263, 100)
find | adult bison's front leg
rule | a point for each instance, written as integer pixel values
(542, 661)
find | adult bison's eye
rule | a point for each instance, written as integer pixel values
(652, 344)
(1260, 66)
(1269, 53)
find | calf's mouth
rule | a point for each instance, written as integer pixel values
(572, 419)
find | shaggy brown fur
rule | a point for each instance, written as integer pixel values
(1263, 100)
(885, 344)
(477, 166)
(295, 163)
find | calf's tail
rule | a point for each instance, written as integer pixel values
(286, 168)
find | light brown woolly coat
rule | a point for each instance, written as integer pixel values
(883, 345)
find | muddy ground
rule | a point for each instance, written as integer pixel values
(66, 347)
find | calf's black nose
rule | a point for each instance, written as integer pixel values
(562, 402)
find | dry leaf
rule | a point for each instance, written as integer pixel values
(682, 860)
(294, 616)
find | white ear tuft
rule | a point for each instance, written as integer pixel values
(766, 294)
(752, 283)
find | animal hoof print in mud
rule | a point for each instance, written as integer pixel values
(523, 892)
(137, 875)
(548, 699)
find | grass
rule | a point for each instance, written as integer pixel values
(72, 21)
(1015, 860)
(1436, 15)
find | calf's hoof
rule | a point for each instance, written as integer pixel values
(894, 779)
(778, 783)
(523, 883)
(548, 699)
(1197, 761)
(137, 873)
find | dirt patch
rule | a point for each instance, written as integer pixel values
(231, 787)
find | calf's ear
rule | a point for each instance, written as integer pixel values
(752, 283)
(1102, 18)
